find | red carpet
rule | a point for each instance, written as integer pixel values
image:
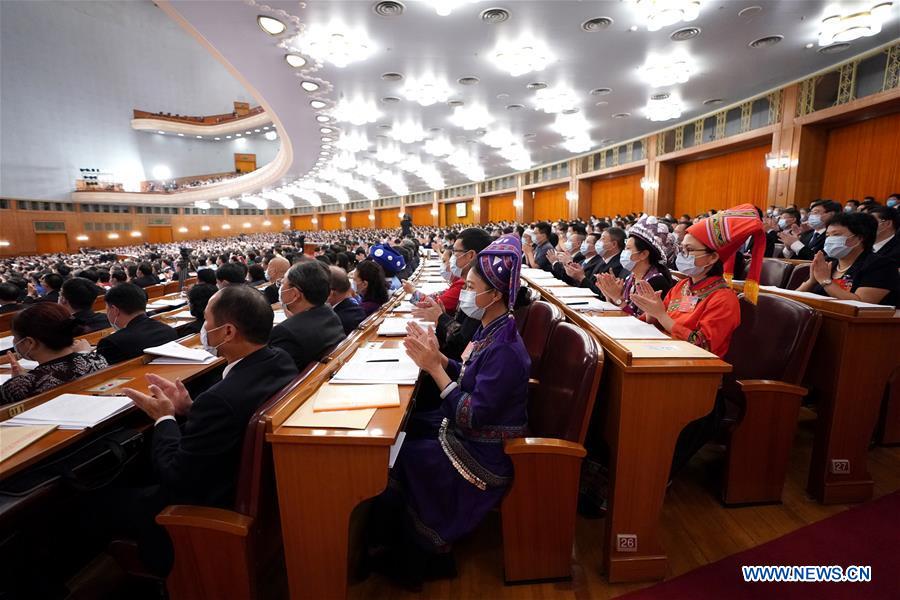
(864, 535)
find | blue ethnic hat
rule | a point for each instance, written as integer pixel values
(500, 264)
(390, 260)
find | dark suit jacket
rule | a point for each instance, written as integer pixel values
(350, 313)
(142, 332)
(305, 336)
(197, 462)
(11, 307)
(891, 251)
(145, 280)
(89, 321)
(613, 266)
(559, 271)
(812, 243)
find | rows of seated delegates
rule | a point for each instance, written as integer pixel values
(474, 366)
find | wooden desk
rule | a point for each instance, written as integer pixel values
(323, 474)
(644, 404)
(854, 357)
(55, 441)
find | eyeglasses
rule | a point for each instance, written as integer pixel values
(455, 251)
(685, 251)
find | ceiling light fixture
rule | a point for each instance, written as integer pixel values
(523, 56)
(323, 118)
(471, 117)
(202, 205)
(270, 25)
(356, 112)
(204, 228)
(295, 60)
(581, 143)
(778, 162)
(408, 132)
(662, 13)
(570, 125)
(662, 70)
(663, 108)
(649, 184)
(555, 100)
(439, 147)
(335, 43)
(309, 86)
(426, 90)
(354, 141)
(182, 230)
(444, 7)
(317, 104)
(271, 136)
(389, 155)
(853, 24)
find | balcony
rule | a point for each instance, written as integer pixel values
(241, 119)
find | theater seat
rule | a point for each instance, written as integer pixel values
(538, 512)
(775, 272)
(798, 276)
(769, 352)
(155, 291)
(542, 318)
(236, 553)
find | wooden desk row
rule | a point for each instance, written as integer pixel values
(643, 405)
(850, 366)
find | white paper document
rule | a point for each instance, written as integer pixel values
(378, 365)
(28, 364)
(537, 274)
(627, 328)
(4, 377)
(809, 295)
(280, 317)
(571, 292)
(431, 288)
(183, 354)
(590, 304)
(865, 305)
(6, 343)
(184, 314)
(394, 452)
(396, 326)
(72, 411)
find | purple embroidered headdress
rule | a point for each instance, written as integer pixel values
(500, 264)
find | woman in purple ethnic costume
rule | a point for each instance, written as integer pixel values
(451, 470)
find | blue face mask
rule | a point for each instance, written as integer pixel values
(625, 260)
(892, 203)
(468, 306)
(687, 265)
(584, 248)
(814, 221)
(836, 246)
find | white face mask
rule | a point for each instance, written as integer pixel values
(468, 306)
(836, 246)
(584, 248)
(687, 265)
(455, 269)
(814, 220)
(568, 246)
(204, 340)
(782, 224)
(625, 260)
(20, 352)
(284, 304)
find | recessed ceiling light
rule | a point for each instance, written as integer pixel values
(322, 118)
(180, 135)
(392, 76)
(435, 129)
(199, 137)
(237, 135)
(295, 60)
(161, 132)
(596, 24)
(384, 126)
(217, 139)
(266, 127)
(492, 16)
(529, 136)
(833, 48)
(662, 96)
(325, 138)
(750, 11)
(515, 106)
(317, 104)
(248, 133)
(633, 28)
(712, 101)
(270, 25)
(621, 115)
(325, 129)
(455, 103)
(809, 45)
(765, 42)
(390, 99)
(256, 130)
(309, 86)
(536, 85)
(601, 103)
(388, 8)
(227, 137)
(684, 34)
(601, 91)
(470, 80)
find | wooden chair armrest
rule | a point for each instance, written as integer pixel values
(749, 386)
(533, 445)
(205, 517)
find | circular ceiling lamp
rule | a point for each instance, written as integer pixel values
(270, 25)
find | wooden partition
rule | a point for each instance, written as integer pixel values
(387, 218)
(331, 221)
(617, 195)
(500, 208)
(48, 243)
(421, 215)
(550, 204)
(721, 181)
(862, 159)
(160, 235)
(302, 222)
(358, 219)
(450, 218)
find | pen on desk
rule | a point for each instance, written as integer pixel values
(577, 303)
(383, 360)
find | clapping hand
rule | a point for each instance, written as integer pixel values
(648, 300)
(612, 287)
(428, 310)
(564, 257)
(551, 255)
(820, 269)
(423, 348)
(408, 287)
(788, 238)
(14, 365)
(157, 404)
(575, 271)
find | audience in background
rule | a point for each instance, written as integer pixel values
(77, 296)
(126, 306)
(343, 300)
(369, 283)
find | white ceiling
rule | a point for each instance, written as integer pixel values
(461, 45)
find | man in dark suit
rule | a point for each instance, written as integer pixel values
(809, 243)
(145, 277)
(52, 283)
(77, 296)
(342, 300)
(311, 327)
(197, 460)
(887, 242)
(126, 306)
(9, 298)
(610, 246)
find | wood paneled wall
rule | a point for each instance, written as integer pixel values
(863, 159)
(500, 208)
(421, 215)
(358, 219)
(617, 195)
(331, 221)
(450, 217)
(386, 218)
(550, 204)
(722, 181)
(302, 222)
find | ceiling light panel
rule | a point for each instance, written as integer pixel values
(662, 70)
(270, 25)
(426, 90)
(471, 117)
(335, 43)
(841, 26)
(657, 14)
(555, 99)
(525, 55)
(356, 112)
(408, 132)
(445, 7)
(663, 108)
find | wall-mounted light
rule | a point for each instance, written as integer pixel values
(476, 208)
(343, 219)
(81, 238)
(314, 221)
(371, 217)
(226, 226)
(204, 228)
(246, 225)
(434, 212)
(571, 195)
(113, 236)
(182, 230)
(267, 223)
(649, 184)
(135, 234)
(517, 203)
(780, 161)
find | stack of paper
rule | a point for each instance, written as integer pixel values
(173, 353)
(866, 305)
(537, 274)
(4, 377)
(590, 304)
(431, 288)
(354, 397)
(396, 326)
(403, 307)
(166, 302)
(15, 439)
(571, 292)
(627, 328)
(305, 416)
(808, 295)
(72, 411)
(6, 343)
(378, 365)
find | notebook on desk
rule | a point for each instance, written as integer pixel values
(353, 397)
(15, 439)
(173, 353)
(627, 328)
(72, 411)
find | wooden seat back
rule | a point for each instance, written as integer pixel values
(542, 318)
(155, 291)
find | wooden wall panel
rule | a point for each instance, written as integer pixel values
(302, 222)
(550, 204)
(722, 181)
(159, 235)
(450, 217)
(50, 243)
(331, 221)
(421, 215)
(617, 195)
(863, 159)
(358, 219)
(500, 208)
(387, 218)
